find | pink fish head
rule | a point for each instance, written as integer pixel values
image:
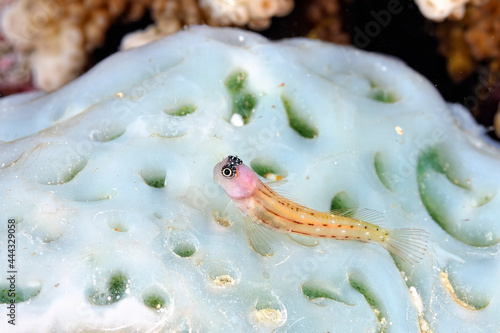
(238, 180)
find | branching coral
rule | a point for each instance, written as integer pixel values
(60, 34)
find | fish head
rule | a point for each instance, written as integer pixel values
(238, 180)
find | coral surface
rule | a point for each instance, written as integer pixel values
(59, 35)
(118, 225)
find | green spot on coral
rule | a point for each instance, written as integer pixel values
(154, 178)
(297, 123)
(268, 169)
(439, 186)
(236, 82)
(154, 302)
(158, 183)
(243, 102)
(370, 299)
(116, 287)
(381, 171)
(262, 169)
(382, 95)
(243, 105)
(17, 294)
(184, 250)
(182, 111)
(342, 201)
(434, 160)
(318, 292)
(366, 293)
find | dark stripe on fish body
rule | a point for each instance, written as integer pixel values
(275, 214)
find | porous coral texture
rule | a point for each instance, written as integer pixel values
(119, 226)
(60, 34)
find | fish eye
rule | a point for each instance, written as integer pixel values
(228, 172)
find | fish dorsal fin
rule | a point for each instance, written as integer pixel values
(364, 214)
(259, 237)
(304, 240)
(276, 183)
(282, 192)
(346, 212)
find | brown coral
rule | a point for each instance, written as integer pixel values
(474, 39)
(14, 70)
(326, 18)
(60, 34)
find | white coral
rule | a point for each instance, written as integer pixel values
(438, 10)
(60, 35)
(120, 225)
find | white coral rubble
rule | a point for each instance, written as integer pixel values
(60, 35)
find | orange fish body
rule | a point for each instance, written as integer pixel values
(280, 214)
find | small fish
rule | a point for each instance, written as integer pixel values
(268, 208)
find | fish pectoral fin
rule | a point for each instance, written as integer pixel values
(304, 240)
(259, 237)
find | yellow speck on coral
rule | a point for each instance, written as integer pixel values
(270, 315)
(225, 222)
(223, 281)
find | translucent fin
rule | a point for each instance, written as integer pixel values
(259, 237)
(409, 245)
(369, 215)
(347, 212)
(284, 193)
(365, 214)
(441, 256)
(276, 183)
(303, 240)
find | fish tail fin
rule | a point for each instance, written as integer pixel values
(409, 245)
